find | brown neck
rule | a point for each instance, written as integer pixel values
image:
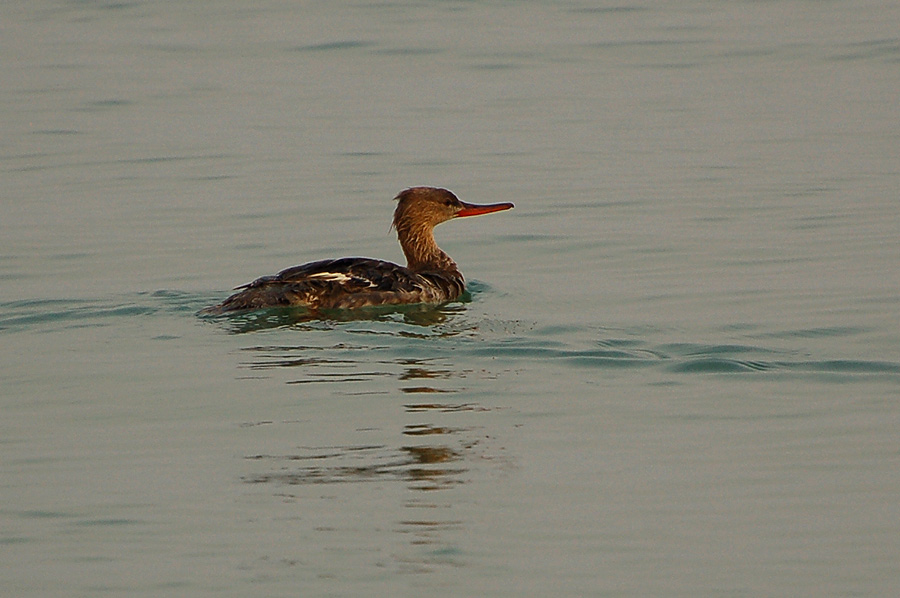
(422, 252)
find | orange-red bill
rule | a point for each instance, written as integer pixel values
(471, 209)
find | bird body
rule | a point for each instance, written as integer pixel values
(430, 275)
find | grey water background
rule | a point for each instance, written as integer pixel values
(677, 374)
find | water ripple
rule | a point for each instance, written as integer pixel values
(64, 313)
(432, 350)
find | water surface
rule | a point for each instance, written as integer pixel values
(676, 373)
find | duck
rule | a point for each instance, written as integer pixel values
(429, 277)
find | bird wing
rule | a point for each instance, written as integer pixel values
(338, 283)
(350, 274)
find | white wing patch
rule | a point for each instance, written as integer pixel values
(335, 276)
(340, 278)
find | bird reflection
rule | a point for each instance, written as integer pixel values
(422, 467)
(414, 373)
(346, 363)
(422, 315)
(440, 447)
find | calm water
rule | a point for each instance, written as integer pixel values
(677, 373)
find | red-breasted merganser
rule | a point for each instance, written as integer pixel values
(430, 276)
